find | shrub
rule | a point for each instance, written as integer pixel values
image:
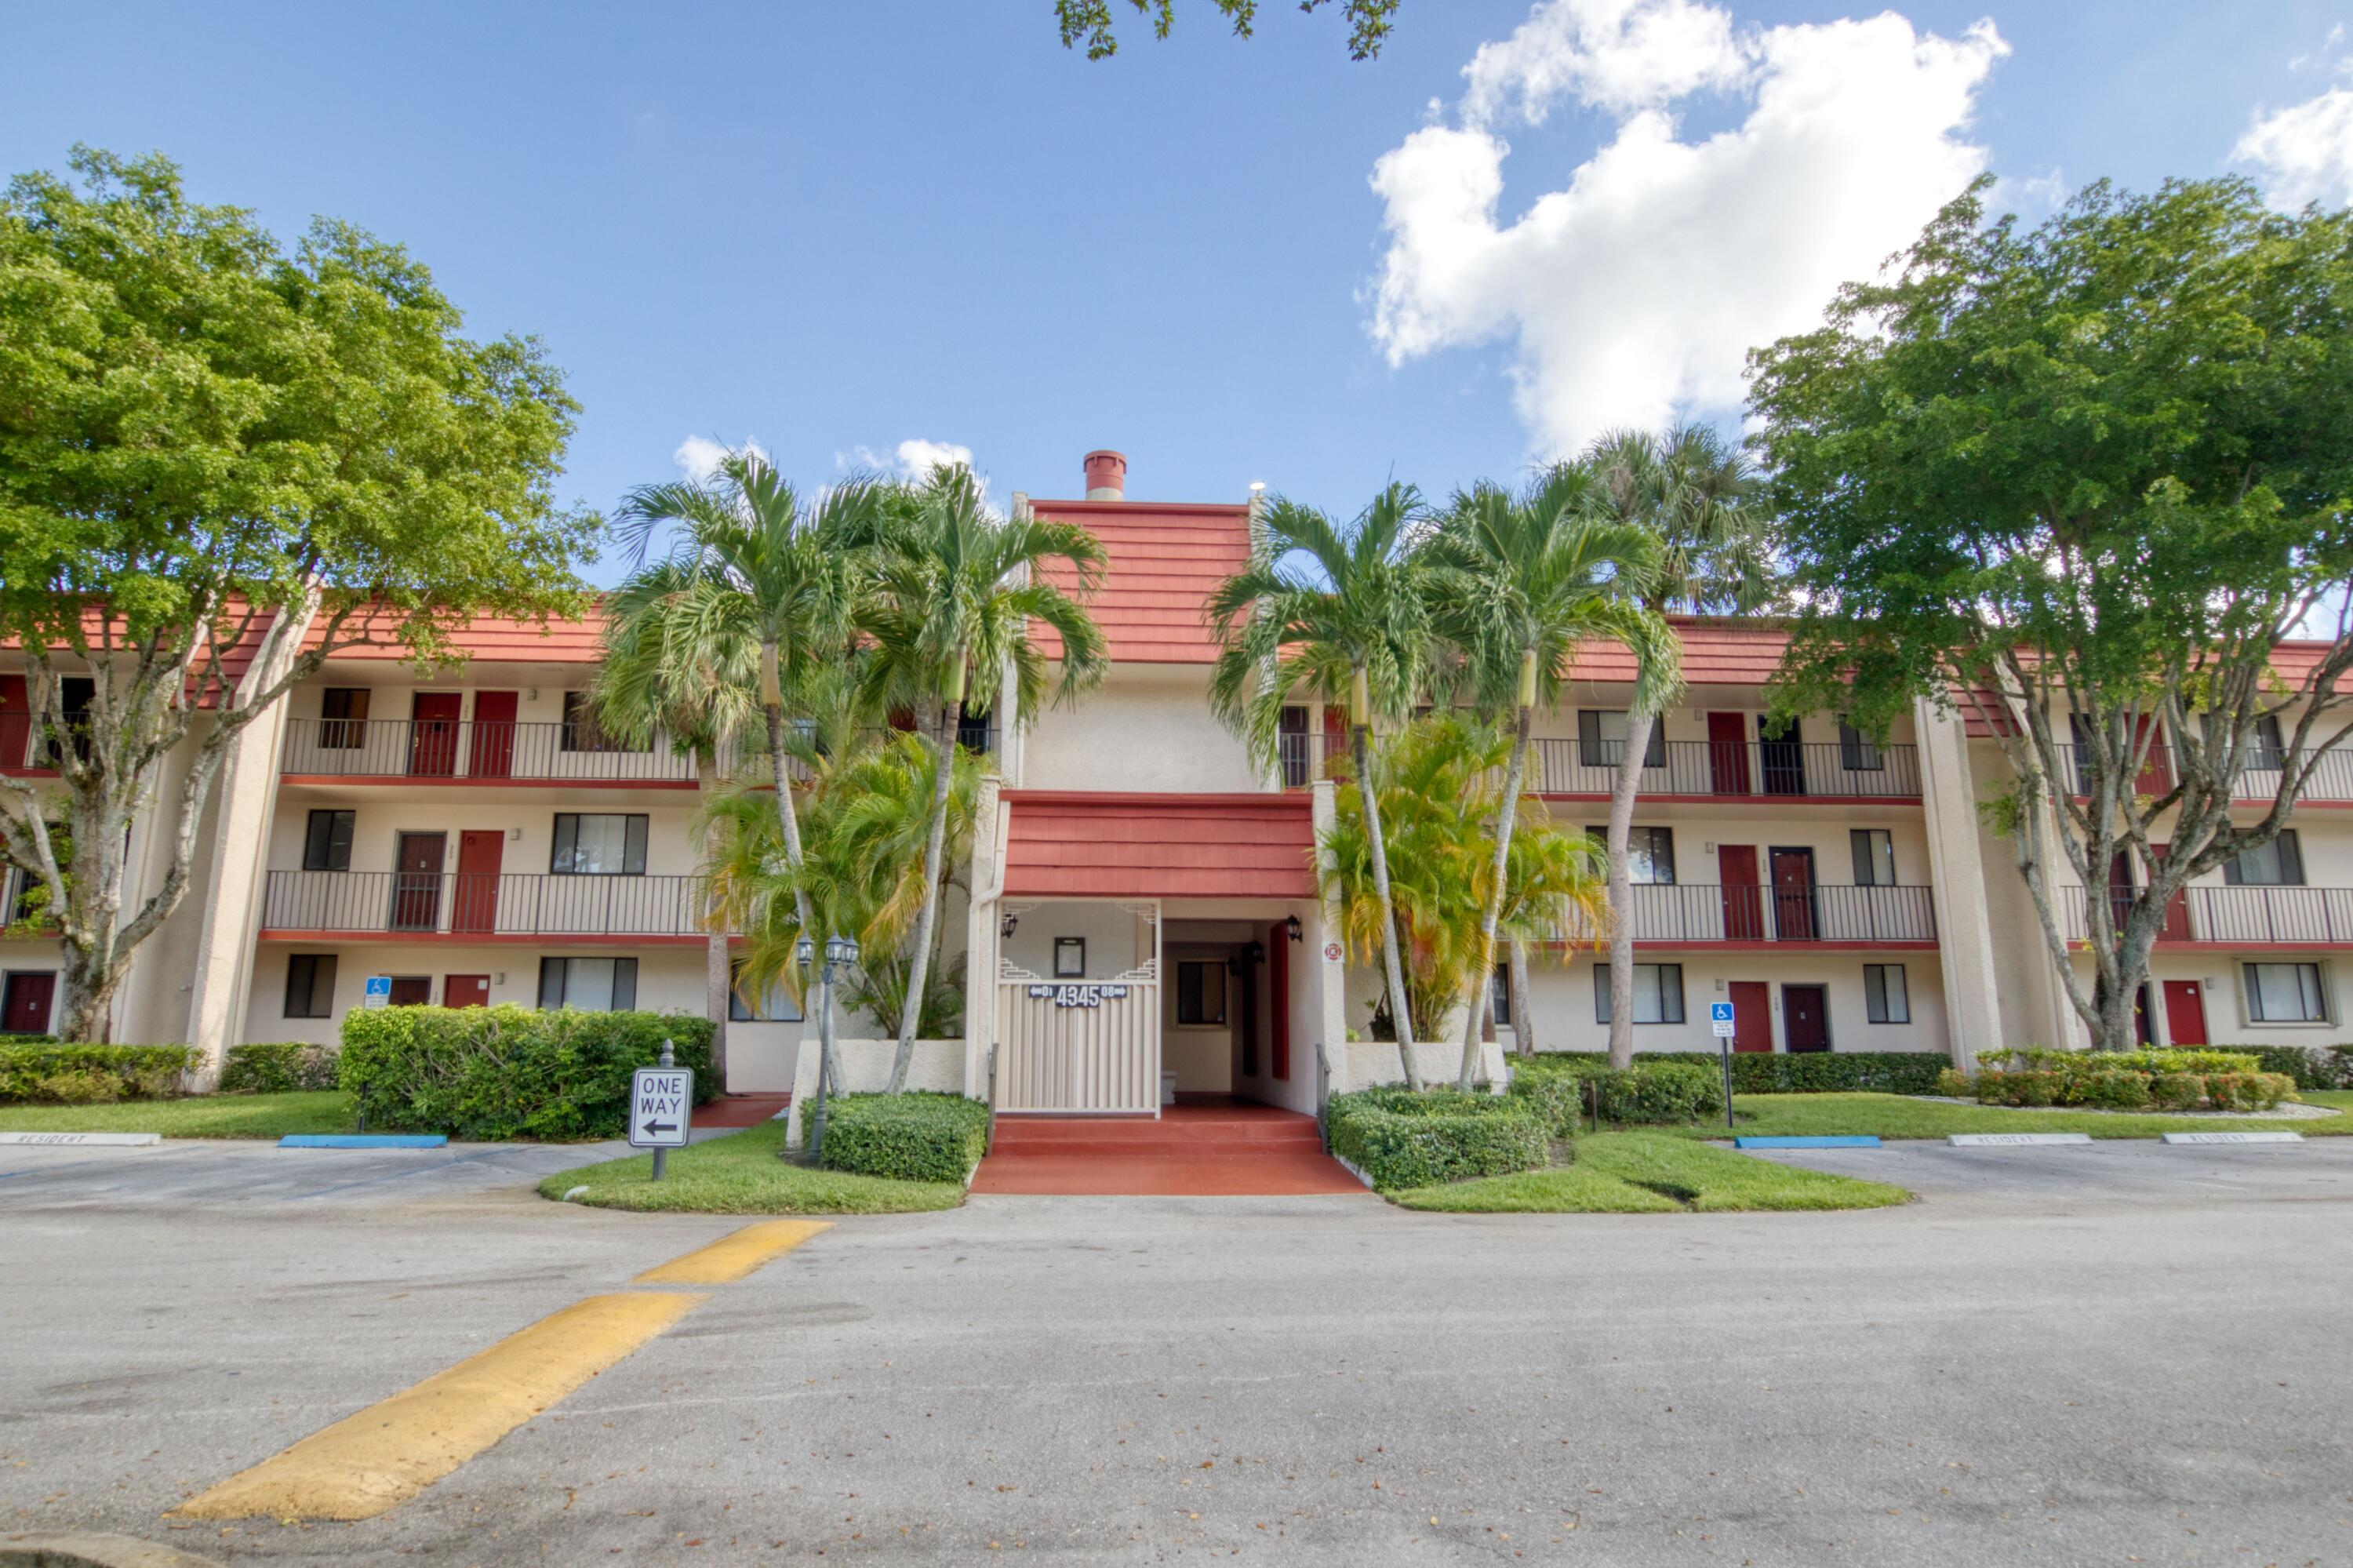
(1650, 1091)
(32, 1072)
(1401, 1139)
(2112, 1090)
(2163, 1059)
(2176, 1091)
(1780, 1073)
(2248, 1091)
(1954, 1086)
(277, 1069)
(2311, 1066)
(911, 1136)
(83, 1087)
(490, 1073)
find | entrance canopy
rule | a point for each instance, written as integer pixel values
(1076, 845)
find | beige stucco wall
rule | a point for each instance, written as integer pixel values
(1146, 728)
(1565, 1007)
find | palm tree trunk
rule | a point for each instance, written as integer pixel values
(1621, 888)
(1524, 1016)
(717, 972)
(828, 1065)
(919, 962)
(1359, 744)
(1506, 815)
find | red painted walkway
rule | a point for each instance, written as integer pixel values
(1218, 1149)
(741, 1110)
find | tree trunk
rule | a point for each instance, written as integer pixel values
(1506, 815)
(1524, 1016)
(919, 962)
(1621, 888)
(772, 700)
(1401, 1017)
(718, 971)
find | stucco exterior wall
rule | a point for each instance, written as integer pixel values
(1146, 728)
(1566, 1011)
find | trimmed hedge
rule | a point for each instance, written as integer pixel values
(51, 1074)
(910, 1136)
(2311, 1067)
(1650, 1091)
(1804, 1073)
(277, 1069)
(2122, 1089)
(494, 1072)
(2158, 1059)
(1401, 1139)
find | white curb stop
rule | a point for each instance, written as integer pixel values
(2233, 1138)
(86, 1139)
(2003, 1139)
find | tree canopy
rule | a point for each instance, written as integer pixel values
(2080, 480)
(1368, 22)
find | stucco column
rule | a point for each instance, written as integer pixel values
(1956, 874)
(990, 817)
(245, 798)
(1328, 953)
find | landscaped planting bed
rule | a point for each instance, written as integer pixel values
(45, 1073)
(2160, 1080)
(907, 1137)
(1399, 1138)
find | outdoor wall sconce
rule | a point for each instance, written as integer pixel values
(1255, 953)
(1005, 927)
(1291, 924)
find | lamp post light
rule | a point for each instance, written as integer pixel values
(839, 952)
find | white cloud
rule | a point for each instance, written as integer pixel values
(2303, 152)
(918, 457)
(1635, 292)
(698, 456)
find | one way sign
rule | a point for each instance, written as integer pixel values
(660, 1098)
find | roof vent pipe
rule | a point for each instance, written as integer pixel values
(1106, 475)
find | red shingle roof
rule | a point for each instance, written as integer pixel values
(492, 638)
(1163, 562)
(1067, 845)
(1714, 654)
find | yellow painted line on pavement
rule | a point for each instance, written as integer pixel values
(733, 1256)
(387, 1454)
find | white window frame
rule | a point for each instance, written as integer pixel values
(2313, 993)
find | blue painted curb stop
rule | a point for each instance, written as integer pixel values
(363, 1140)
(1858, 1140)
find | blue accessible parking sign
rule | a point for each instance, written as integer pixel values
(1719, 1015)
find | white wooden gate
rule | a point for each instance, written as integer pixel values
(1088, 1047)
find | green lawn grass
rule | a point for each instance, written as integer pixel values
(1899, 1116)
(199, 1116)
(1645, 1172)
(740, 1174)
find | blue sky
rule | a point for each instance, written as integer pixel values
(843, 227)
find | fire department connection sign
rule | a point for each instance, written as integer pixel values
(658, 1098)
(1077, 995)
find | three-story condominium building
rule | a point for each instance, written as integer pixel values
(1141, 910)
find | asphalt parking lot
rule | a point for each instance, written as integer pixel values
(2057, 1355)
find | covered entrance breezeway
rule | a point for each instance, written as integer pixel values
(1155, 1020)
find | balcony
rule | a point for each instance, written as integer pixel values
(1686, 770)
(2331, 781)
(1741, 915)
(2229, 916)
(481, 908)
(465, 751)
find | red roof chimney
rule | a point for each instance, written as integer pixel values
(1106, 475)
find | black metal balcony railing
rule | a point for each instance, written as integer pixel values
(1788, 769)
(2331, 779)
(464, 903)
(472, 750)
(1696, 912)
(2233, 916)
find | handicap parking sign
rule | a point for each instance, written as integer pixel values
(1719, 1015)
(379, 991)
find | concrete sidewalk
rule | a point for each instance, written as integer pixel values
(2130, 1353)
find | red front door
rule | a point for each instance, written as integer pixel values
(417, 882)
(15, 721)
(1793, 896)
(1727, 753)
(2184, 1014)
(474, 904)
(2156, 771)
(464, 990)
(492, 753)
(1744, 902)
(1278, 994)
(1752, 1015)
(433, 734)
(25, 1003)
(2177, 908)
(1806, 1017)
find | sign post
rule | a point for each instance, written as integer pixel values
(661, 1100)
(1719, 1020)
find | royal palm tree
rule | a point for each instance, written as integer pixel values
(1341, 615)
(659, 676)
(757, 567)
(1523, 581)
(1695, 493)
(957, 588)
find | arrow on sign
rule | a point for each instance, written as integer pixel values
(661, 1126)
